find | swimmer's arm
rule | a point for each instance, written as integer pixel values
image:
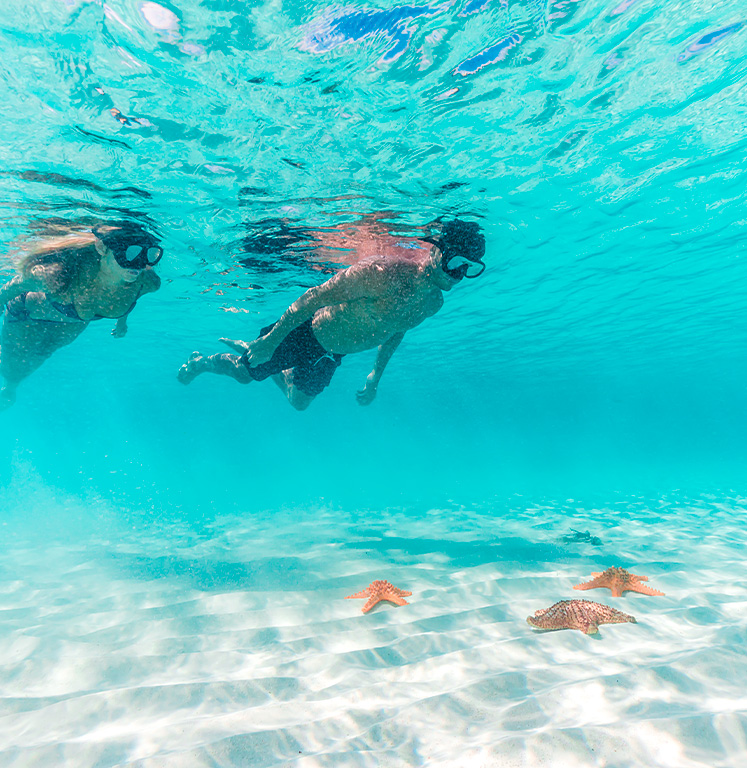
(16, 286)
(150, 282)
(366, 395)
(43, 278)
(365, 280)
(120, 329)
(358, 282)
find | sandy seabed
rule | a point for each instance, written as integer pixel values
(231, 644)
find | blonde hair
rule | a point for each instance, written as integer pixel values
(60, 254)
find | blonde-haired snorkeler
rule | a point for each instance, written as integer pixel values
(64, 282)
(370, 304)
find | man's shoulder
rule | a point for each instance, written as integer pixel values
(382, 268)
(393, 265)
(385, 261)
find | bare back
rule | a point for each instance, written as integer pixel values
(399, 295)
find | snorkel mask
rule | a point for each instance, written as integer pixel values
(462, 247)
(132, 245)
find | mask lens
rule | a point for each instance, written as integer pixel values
(154, 255)
(474, 269)
(455, 262)
(132, 252)
(459, 266)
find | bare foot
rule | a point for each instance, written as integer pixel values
(192, 368)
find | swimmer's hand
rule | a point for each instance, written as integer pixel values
(367, 395)
(120, 329)
(257, 352)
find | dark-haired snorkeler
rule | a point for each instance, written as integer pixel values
(68, 279)
(373, 303)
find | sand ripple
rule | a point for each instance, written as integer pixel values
(232, 645)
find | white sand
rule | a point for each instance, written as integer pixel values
(234, 647)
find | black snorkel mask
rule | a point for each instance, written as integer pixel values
(462, 247)
(132, 245)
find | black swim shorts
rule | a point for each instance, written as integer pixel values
(313, 367)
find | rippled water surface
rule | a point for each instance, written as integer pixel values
(173, 560)
(600, 145)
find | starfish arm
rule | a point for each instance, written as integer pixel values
(396, 599)
(587, 585)
(404, 593)
(537, 624)
(617, 590)
(590, 629)
(596, 573)
(639, 578)
(370, 604)
(362, 593)
(644, 590)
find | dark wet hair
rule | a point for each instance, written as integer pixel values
(461, 237)
(118, 234)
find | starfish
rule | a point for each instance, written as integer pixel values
(377, 591)
(578, 614)
(618, 580)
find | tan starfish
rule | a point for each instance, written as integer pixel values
(377, 591)
(583, 615)
(618, 580)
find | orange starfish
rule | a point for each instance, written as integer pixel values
(618, 580)
(377, 591)
(578, 614)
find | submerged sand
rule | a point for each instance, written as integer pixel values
(232, 645)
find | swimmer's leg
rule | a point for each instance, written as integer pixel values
(24, 346)
(297, 398)
(223, 364)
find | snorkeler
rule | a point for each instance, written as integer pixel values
(372, 303)
(66, 281)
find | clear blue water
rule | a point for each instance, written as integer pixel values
(600, 360)
(602, 153)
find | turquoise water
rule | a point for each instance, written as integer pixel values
(597, 365)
